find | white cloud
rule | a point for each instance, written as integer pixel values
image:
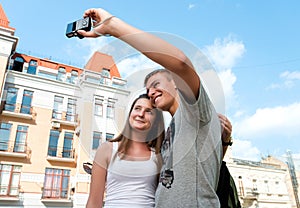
(191, 6)
(238, 114)
(228, 79)
(295, 75)
(81, 50)
(244, 150)
(289, 80)
(134, 64)
(224, 55)
(277, 122)
(274, 86)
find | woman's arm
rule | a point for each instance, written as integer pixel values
(98, 179)
(97, 188)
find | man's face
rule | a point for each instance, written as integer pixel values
(161, 90)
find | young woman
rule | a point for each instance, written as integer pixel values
(127, 167)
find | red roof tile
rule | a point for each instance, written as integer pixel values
(47, 63)
(99, 61)
(4, 22)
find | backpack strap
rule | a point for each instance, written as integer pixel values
(226, 191)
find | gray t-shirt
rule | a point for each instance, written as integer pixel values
(197, 156)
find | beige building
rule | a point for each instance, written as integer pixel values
(266, 183)
(52, 119)
(8, 43)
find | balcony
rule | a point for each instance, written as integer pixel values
(10, 194)
(56, 197)
(63, 118)
(251, 198)
(14, 149)
(61, 154)
(100, 79)
(18, 111)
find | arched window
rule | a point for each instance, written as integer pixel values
(74, 77)
(18, 64)
(61, 74)
(32, 67)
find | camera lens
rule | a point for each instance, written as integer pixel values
(84, 22)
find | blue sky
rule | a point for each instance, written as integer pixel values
(253, 45)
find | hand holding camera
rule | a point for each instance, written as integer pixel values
(95, 18)
(82, 24)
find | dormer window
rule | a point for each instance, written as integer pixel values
(18, 64)
(105, 73)
(74, 77)
(32, 67)
(61, 74)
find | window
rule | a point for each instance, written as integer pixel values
(53, 140)
(110, 110)
(18, 64)
(71, 110)
(11, 99)
(57, 108)
(97, 137)
(109, 136)
(9, 179)
(241, 186)
(32, 67)
(20, 141)
(56, 183)
(74, 77)
(99, 107)
(26, 102)
(254, 185)
(105, 73)
(68, 145)
(266, 186)
(61, 74)
(105, 76)
(4, 135)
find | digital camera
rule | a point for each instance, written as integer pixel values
(82, 24)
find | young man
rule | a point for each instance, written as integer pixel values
(192, 153)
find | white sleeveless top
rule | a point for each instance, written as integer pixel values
(131, 184)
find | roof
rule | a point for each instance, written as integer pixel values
(47, 63)
(4, 22)
(98, 61)
(258, 164)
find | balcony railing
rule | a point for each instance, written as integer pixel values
(56, 196)
(10, 193)
(58, 193)
(14, 149)
(251, 194)
(18, 111)
(63, 154)
(100, 79)
(65, 118)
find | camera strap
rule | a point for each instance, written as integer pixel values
(100, 23)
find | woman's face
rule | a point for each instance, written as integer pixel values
(142, 115)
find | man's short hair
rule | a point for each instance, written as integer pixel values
(167, 72)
